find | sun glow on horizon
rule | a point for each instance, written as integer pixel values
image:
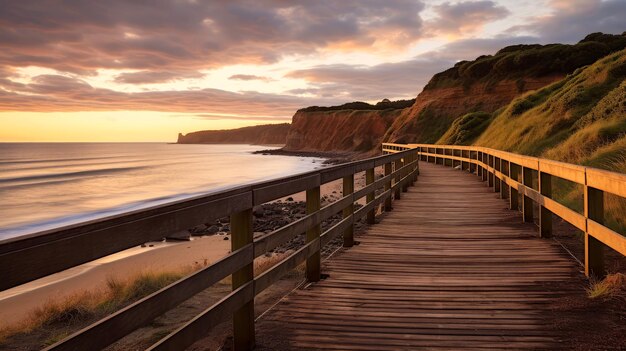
(139, 73)
(107, 126)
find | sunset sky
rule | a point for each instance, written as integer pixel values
(146, 70)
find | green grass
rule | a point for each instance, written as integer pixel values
(466, 129)
(525, 61)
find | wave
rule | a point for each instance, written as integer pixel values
(77, 174)
(58, 222)
(52, 160)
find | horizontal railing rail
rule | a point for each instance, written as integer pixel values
(34, 256)
(512, 175)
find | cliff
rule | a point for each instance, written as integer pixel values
(456, 96)
(261, 134)
(339, 130)
(456, 105)
(580, 119)
(436, 109)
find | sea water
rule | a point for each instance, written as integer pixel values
(49, 185)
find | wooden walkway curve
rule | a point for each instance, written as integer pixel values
(449, 268)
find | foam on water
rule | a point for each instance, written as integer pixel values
(49, 185)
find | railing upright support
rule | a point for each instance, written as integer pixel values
(397, 164)
(496, 181)
(348, 188)
(461, 153)
(594, 249)
(243, 319)
(369, 179)
(485, 159)
(545, 216)
(514, 171)
(405, 184)
(491, 176)
(527, 202)
(388, 170)
(479, 169)
(504, 168)
(313, 263)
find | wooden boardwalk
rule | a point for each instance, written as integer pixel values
(449, 268)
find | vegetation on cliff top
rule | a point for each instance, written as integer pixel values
(518, 62)
(384, 104)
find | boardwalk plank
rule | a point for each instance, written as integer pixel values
(449, 268)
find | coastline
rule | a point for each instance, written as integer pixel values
(208, 244)
(332, 158)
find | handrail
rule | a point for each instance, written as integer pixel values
(30, 257)
(512, 174)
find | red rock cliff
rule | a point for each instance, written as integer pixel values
(435, 109)
(339, 131)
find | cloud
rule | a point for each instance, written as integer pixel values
(213, 117)
(464, 17)
(168, 39)
(149, 77)
(249, 77)
(572, 20)
(403, 79)
(48, 93)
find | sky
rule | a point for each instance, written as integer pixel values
(146, 70)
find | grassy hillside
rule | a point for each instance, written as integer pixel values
(520, 62)
(453, 106)
(580, 119)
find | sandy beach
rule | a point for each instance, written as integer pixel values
(17, 302)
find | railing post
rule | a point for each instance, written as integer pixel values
(527, 202)
(545, 216)
(496, 180)
(405, 172)
(369, 179)
(490, 176)
(479, 169)
(461, 154)
(388, 171)
(485, 174)
(397, 164)
(348, 188)
(594, 249)
(243, 318)
(514, 198)
(504, 168)
(415, 168)
(314, 261)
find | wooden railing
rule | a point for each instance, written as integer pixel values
(27, 258)
(513, 175)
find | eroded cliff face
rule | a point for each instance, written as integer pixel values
(431, 115)
(261, 134)
(435, 109)
(339, 131)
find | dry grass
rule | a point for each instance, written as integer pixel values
(71, 313)
(614, 285)
(75, 311)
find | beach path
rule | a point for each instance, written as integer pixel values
(450, 267)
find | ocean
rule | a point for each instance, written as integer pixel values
(49, 185)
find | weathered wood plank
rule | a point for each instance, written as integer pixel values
(449, 267)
